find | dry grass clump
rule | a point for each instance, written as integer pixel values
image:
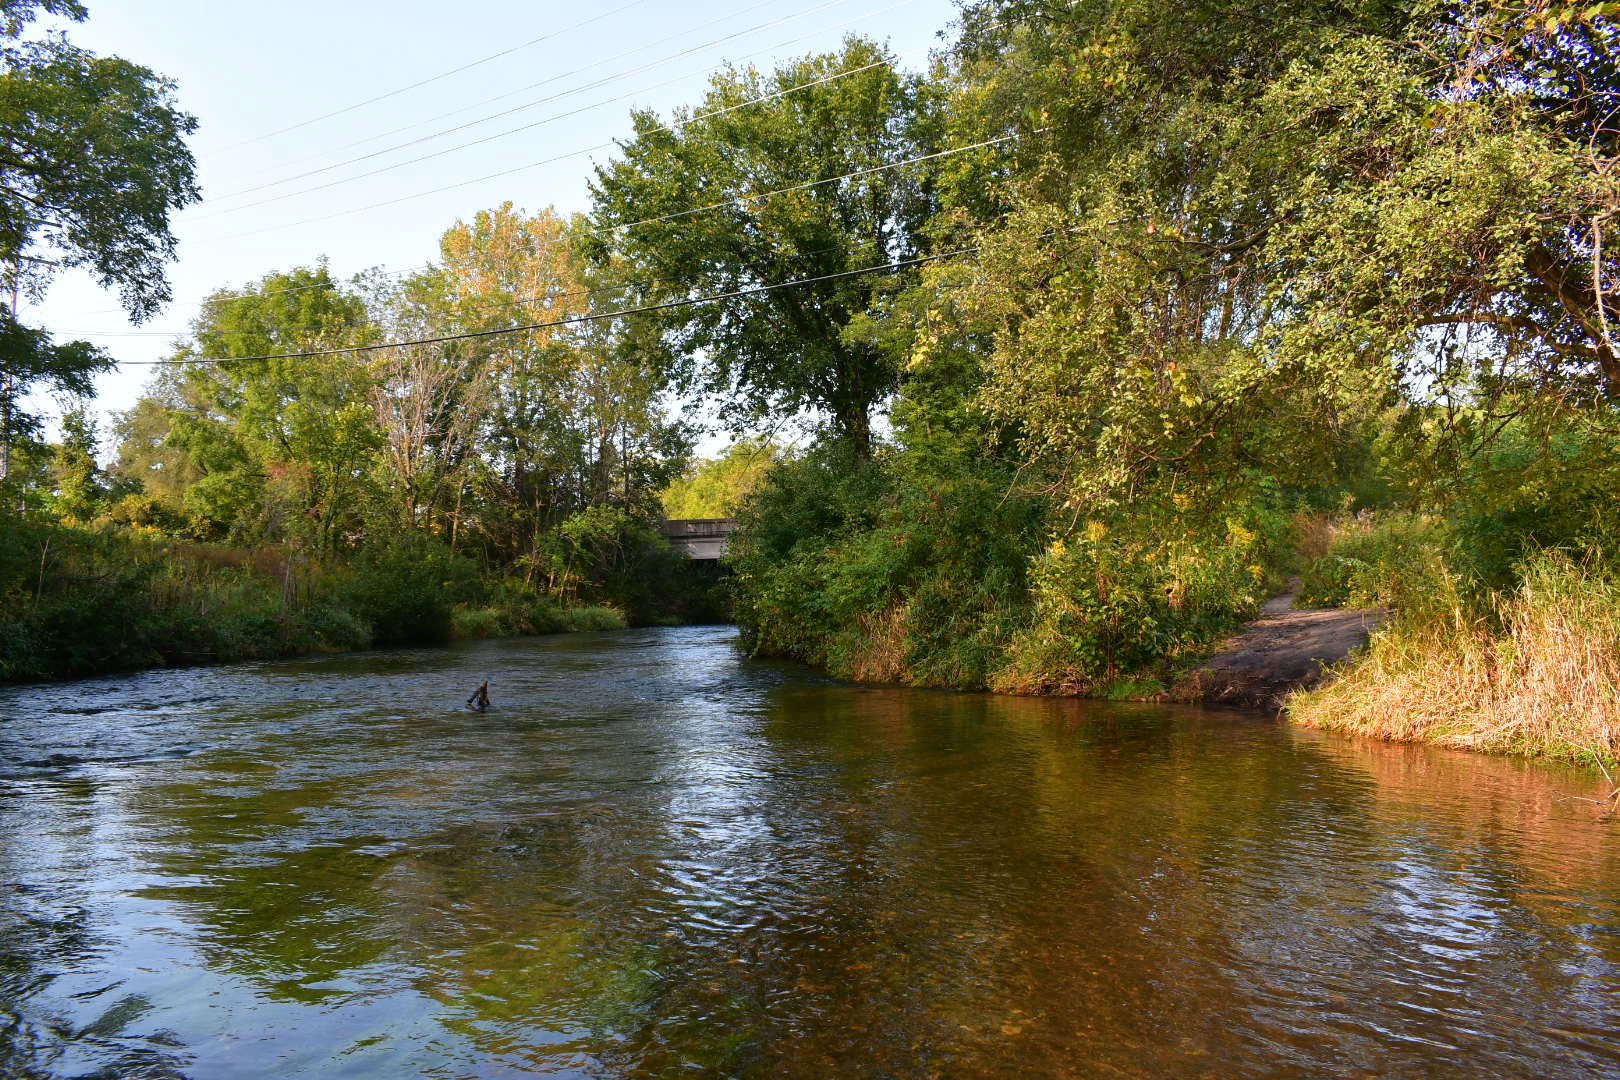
(1539, 673)
(877, 653)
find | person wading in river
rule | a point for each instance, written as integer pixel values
(480, 697)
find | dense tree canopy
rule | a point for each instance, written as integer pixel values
(687, 210)
(1251, 227)
(93, 165)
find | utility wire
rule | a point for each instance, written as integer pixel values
(491, 138)
(571, 320)
(602, 146)
(741, 200)
(428, 266)
(520, 108)
(478, 307)
(435, 78)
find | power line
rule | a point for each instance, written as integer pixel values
(571, 320)
(527, 105)
(434, 78)
(741, 200)
(480, 307)
(506, 172)
(486, 139)
(427, 266)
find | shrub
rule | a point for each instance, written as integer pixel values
(407, 590)
(1389, 560)
(1121, 603)
(881, 576)
(595, 617)
(336, 628)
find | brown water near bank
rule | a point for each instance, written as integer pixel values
(658, 858)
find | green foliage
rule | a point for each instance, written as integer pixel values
(1536, 488)
(606, 555)
(79, 602)
(509, 607)
(28, 359)
(787, 351)
(81, 492)
(280, 448)
(1125, 599)
(595, 617)
(715, 488)
(327, 626)
(1399, 560)
(844, 564)
(1230, 247)
(95, 162)
(407, 590)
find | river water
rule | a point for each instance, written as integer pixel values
(658, 858)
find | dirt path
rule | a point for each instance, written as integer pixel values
(1280, 651)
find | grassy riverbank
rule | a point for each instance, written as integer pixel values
(1486, 650)
(1533, 669)
(81, 601)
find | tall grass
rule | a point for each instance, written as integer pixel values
(1532, 670)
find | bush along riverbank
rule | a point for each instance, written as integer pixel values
(80, 601)
(878, 572)
(1496, 612)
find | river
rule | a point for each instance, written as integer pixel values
(655, 857)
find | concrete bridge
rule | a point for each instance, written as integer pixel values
(700, 538)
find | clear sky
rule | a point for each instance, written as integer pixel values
(264, 81)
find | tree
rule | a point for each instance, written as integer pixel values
(430, 404)
(29, 357)
(93, 162)
(81, 488)
(714, 488)
(283, 448)
(570, 414)
(1252, 228)
(686, 210)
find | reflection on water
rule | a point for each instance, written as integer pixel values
(657, 858)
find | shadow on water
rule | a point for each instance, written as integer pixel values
(657, 858)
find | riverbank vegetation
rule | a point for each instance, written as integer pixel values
(1099, 329)
(1325, 291)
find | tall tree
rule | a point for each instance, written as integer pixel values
(93, 162)
(571, 413)
(687, 210)
(283, 446)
